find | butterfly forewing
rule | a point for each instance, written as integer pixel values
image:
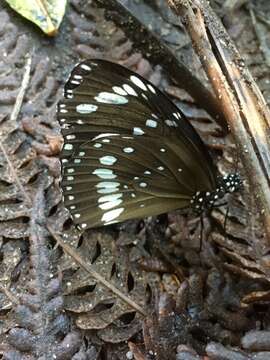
(128, 151)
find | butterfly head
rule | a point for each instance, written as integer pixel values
(205, 200)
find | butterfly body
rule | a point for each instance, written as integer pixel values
(128, 151)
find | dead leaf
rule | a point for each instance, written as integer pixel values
(95, 306)
(46, 14)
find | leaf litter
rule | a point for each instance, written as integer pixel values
(58, 307)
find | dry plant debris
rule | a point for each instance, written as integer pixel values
(204, 298)
(46, 14)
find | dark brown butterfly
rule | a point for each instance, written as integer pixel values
(128, 151)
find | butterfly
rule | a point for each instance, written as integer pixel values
(128, 151)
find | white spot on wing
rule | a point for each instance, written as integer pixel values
(111, 98)
(107, 160)
(85, 67)
(151, 88)
(104, 135)
(128, 150)
(171, 123)
(68, 147)
(110, 204)
(145, 97)
(86, 108)
(110, 197)
(108, 184)
(71, 137)
(118, 90)
(138, 82)
(107, 190)
(104, 173)
(129, 90)
(137, 131)
(111, 215)
(151, 123)
(143, 184)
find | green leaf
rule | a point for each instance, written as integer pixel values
(47, 14)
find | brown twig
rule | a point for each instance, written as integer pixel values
(25, 81)
(68, 249)
(240, 99)
(13, 117)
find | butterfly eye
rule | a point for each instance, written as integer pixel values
(128, 151)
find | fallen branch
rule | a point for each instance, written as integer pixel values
(239, 97)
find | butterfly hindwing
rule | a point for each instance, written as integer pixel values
(128, 151)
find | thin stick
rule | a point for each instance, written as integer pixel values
(13, 117)
(25, 81)
(240, 98)
(68, 249)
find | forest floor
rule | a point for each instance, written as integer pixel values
(196, 294)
